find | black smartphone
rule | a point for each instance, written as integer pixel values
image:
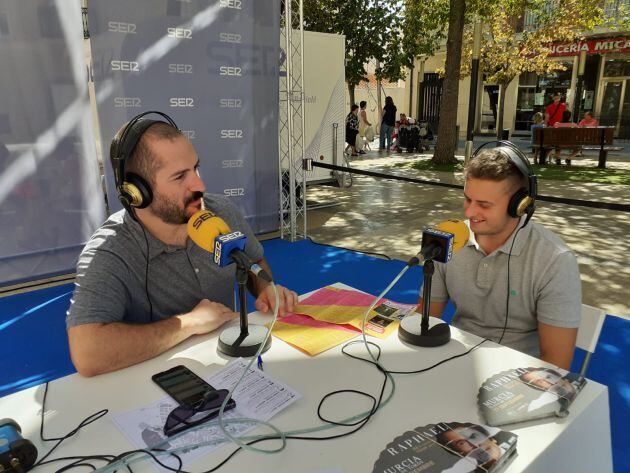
(183, 385)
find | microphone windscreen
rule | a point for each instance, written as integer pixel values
(204, 227)
(460, 231)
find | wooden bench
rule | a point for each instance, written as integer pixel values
(597, 138)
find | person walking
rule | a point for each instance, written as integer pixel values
(352, 129)
(388, 122)
(363, 125)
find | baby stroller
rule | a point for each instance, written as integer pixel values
(409, 136)
(425, 136)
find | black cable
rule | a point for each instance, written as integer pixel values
(361, 422)
(81, 460)
(507, 299)
(88, 420)
(154, 457)
(542, 198)
(146, 272)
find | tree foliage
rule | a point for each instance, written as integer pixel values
(512, 46)
(421, 30)
(368, 25)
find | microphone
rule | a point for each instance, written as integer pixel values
(438, 244)
(213, 234)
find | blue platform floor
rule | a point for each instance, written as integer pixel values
(34, 349)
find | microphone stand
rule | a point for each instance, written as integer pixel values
(240, 341)
(427, 270)
(421, 331)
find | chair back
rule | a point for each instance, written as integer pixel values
(589, 331)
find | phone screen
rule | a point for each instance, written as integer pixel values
(182, 385)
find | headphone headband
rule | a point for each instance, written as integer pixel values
(133, 190)
(123, 148)
(523, 202)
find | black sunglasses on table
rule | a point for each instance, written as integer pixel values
(178, 419)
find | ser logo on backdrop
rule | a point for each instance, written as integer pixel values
(235, 4)
(230, 38)
(124, 66)
(180, 68)
(234, 192)
(181, 33)
(181, 102)
(190, 134)
(231, 134)
(232, 163)
(230, 71)
(127, 102)
(230, 103)
(121, 27)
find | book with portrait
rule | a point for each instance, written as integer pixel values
(453, 447)
(524, 394)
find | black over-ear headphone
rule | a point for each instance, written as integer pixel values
(133, 190)
(523, 202)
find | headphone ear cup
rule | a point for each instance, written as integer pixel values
(519, 203)
(137, 191)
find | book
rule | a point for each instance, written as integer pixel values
(524, 394)
(453, 447)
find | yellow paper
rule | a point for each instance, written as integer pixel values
(336, 314)
(311, 340)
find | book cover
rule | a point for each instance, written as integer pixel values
(449, 447)
(524, 394)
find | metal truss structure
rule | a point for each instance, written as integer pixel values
(292, 178)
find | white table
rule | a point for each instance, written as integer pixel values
(577, 443)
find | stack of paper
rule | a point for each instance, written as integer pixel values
(331, 316)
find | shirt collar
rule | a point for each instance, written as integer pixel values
(505, 248)
(156, 246)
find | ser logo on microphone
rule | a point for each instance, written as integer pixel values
(203, 216)
(230, 237)
(229, 241)
(217, 251)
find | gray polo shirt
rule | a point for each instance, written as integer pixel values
(111, 281)
(544, 287)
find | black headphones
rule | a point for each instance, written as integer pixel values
(523, 202)
(133, 190)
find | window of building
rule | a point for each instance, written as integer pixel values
(616, 68)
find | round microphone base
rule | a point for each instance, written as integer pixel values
(232, 344)
(439, 332)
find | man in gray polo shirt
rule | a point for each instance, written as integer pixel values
(544, 290)
(142, 285)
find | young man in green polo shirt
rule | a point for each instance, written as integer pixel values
(515, 282)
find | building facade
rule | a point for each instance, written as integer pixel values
(595, 78)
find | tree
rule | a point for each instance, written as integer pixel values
(508, 50)
(368, 26)
(447, 133)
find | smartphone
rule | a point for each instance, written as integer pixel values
(183, 385)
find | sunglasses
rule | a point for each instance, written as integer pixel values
(184, 417)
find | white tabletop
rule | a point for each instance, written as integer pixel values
(444, 394)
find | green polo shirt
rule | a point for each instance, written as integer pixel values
(544, 287)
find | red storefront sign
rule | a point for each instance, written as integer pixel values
(593, 46)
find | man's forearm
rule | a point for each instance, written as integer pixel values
(255, 284)
(101, 348)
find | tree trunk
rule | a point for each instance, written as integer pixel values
(447, 134)
(502, 88)
(351, 93)
(379, 103)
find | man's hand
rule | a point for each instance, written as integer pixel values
(207, 316)
(266, 300)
